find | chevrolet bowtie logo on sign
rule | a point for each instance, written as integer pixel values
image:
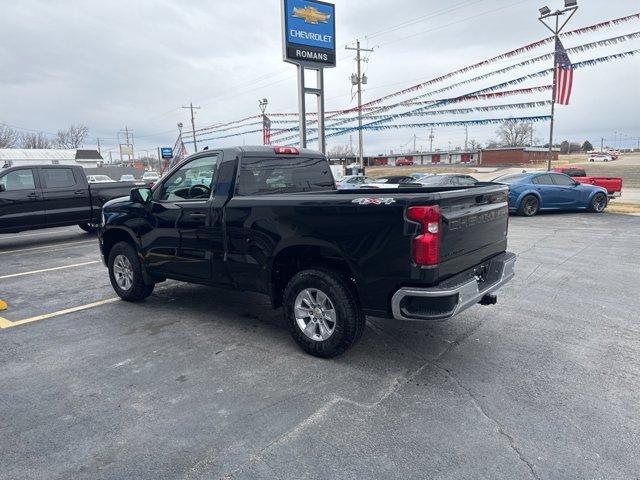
(309, 32)
(310, 15)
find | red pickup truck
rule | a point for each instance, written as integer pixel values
(612, 184)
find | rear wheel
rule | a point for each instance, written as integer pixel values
(529, 206)
(125, 273)
(598, 203)
(323, 312)
(88, 227)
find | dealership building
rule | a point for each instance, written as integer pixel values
(484, 157)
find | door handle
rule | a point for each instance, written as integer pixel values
(79, 192)
(198, 215)
(33, 195)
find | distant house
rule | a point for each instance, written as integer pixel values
(13, 157)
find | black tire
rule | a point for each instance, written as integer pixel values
(138, 289)
(529, 206)
(88, 227)
(598, 203)
(349, 318)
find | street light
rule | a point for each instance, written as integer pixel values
(263, 105)
(570, 6)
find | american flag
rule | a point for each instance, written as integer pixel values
(564, 75)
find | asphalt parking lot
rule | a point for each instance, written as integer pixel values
(198, 383)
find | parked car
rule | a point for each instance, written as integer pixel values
(99, 179)
(392, 181)
(600, 157)
(352, 181)
(47, 196)
(404, 162)
(328, 257)
(613, 185)
(530, 193)
(453, 179)
(127, 178)
(149, 177)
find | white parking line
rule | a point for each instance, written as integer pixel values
(32, 272)
(59, 246)
(4, 323)
(36, 234)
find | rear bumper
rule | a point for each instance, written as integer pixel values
(454, 294)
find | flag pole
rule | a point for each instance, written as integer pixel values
(545, 12)
(553, 94)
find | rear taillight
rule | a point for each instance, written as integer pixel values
(426, 246)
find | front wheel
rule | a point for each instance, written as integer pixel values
(598, 203)
(125, 273)
(323, 312)
(529, 206)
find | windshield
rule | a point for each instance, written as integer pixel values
(286, 174)
(509, 179)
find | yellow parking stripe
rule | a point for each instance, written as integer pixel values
(4, 323)
(32, 272)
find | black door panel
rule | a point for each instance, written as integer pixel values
(22, 203)
(66, 197)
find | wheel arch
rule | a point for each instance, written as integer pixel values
(115, 235)
(294, 256)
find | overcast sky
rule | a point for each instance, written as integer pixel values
(135, 63)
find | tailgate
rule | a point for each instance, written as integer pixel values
(474, 227)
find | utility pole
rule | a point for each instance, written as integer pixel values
(431, 140)
(466, 136)
(545, 12)
(601, 144)
(414, 143)
(98, 145)
(129, 145)
(193, 124)
(359, 81)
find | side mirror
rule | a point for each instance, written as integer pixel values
(140, 195)
(2, 187)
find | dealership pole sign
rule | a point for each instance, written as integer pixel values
(309, 42)
(310, 33)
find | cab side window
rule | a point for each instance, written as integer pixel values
(59, 177)
(19, 180)
(192, 181)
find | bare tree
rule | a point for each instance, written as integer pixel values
(340, 151)
(72, 137)
(35, 140)
(513, 133)
(9, 137)
(474, 145)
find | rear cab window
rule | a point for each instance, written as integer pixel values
(58, 177)
(263, 176)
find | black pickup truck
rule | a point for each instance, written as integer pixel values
(33, 197)
(270, 220)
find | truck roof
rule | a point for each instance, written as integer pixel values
(265, 150)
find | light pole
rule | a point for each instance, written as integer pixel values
(266, 123)
(570, 8)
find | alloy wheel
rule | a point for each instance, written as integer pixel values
(315, 314)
